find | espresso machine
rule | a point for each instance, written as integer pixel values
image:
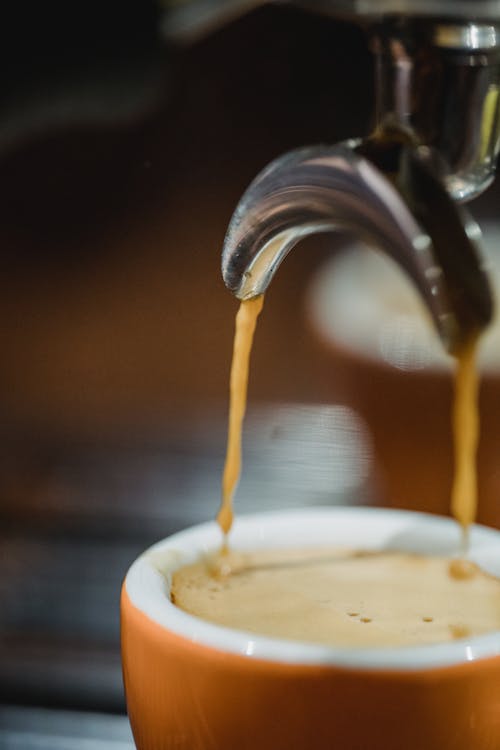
(434, 146)
(437, 71)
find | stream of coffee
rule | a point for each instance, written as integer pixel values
(339, 596)
(465, 423)
(465, 436)
(246, 320)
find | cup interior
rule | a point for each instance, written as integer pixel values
(149, 579)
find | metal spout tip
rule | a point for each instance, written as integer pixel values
(412, 219)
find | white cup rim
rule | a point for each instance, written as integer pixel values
(147, 582)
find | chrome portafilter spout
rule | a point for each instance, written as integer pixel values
(440, 80)
(410, 217)
(435, 145)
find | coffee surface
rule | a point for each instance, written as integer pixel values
(341, 597)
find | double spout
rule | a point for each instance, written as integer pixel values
(411, 217)
(399, 190)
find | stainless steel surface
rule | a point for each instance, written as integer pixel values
(437, 87)
(484, 9)
(190, 19)
(49, 729)
(441, 83)
(466, 36)
(439, 79)
(480, 9)
(320, 189)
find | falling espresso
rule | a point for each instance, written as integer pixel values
(465, 423)
(466, 436)
(345, 597)
(246, 320)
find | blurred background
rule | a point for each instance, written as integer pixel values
(125, 145)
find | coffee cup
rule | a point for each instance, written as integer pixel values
(195, 685)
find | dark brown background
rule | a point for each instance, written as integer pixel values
(112, 306)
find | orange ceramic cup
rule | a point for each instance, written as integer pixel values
(193, 685)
